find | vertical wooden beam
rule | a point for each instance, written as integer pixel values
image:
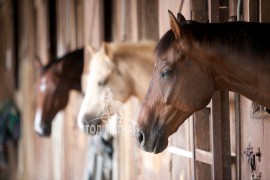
(26, 55)
(79, 23)
(42, 149)
(148, 10)
(199, 10)
(7, 51)
(213, 11)
(233, 8)
(92, 30)
(202, 141)
(201, 128)
(41, 28)
(52, 28)
(264, 11)
(221, 136)
(7, 69)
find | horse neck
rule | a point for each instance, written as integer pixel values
(139, 71)
(72, 68)
(241, 73)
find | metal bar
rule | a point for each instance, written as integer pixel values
(193, 147)
(238, 136)
(216, 144)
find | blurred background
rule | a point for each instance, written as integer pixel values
(47, 29)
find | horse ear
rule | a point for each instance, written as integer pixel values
(91, 50)
(107, 50)
(181, 19)
(38, 63)
(174, 25)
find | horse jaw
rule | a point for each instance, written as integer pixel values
(41, 128)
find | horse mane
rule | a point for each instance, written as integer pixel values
(129, 48)
(58, 60)
(240, 37)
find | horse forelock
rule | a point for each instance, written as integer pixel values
(165, 43)
(73, 56)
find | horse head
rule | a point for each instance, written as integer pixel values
(55, 81)
(52, 96)
(180, 85)
(104, 77)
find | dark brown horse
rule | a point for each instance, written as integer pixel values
(55, 81)
(192, 61)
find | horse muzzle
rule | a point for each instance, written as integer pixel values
(153, 142)
(43, 130)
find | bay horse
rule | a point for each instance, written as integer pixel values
(123, 68)
(55, 81)
(193, 60)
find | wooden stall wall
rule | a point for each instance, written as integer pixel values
(134, 21)
(63, 155)
(181, 167)
(201, 146)
(69, 139)
(7, 87)
(255, 122)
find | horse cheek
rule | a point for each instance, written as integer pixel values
(205, 91)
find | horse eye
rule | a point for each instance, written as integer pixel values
(103, 82)
(166, 73)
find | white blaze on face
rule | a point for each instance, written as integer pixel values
(92, 92)
(38, 121)
(43, 85)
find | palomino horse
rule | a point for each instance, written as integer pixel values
(124, 68)
(55, 81)
(192, 61)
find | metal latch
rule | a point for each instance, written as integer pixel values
(252, 161)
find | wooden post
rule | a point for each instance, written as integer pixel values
(221, 136)
(26, 54)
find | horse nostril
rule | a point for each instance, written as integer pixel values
(45, 131)
(140, 137)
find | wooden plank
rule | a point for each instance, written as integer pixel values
(201, 125)
(265, 122)
(264, 11)
(42, 31)
(202, 142)
(204, 156)
(6, 51)
(199, 11)
(66, 29)
(148, 9)
(233, 8)
(92, 31)
(70, 144)
(238, 133)
(221, 136)
(7, 88)
(29, 160)
(234, 110)
(213, 11)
